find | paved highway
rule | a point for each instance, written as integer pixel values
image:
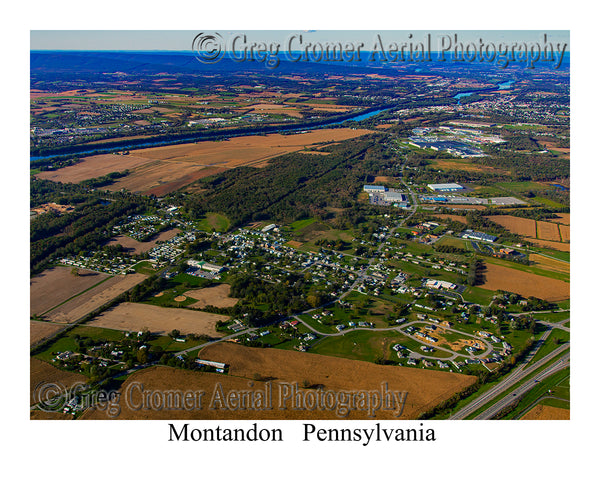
(559, 364)
(515, 376)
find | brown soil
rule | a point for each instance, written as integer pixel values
(518, 225)
(565, 218)
(40, 330)
(161, 170)
(43, 373)
(217, 296)
(454, 218)
(87, 302)
(565, 233)
(550, 263)
(563, 247)
(249, 368)
(526, 284)
(95, 166)
(160, 320)
(548, 231)
(55, 285)
(546, 412)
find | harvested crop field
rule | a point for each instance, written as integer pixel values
(468, 207)
(565, 233)
(38, 331)
(161, 170)
(550, 263)
(425, 388)
(546, 412)
(563, 247)
(41, 415)
(564, 218)
(161, 320)
(453, 218)
(87, 302)
(518, 225)
(548, 231)
(93, 167)
(498, 277)
(133, 246)
(57, 284)
(217, 296)
(42, 372)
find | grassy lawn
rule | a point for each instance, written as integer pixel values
(478, 295)
(552, 316)
(214, 222)
(144, 267)
(300, 224)
(362, 345)
(550, 345)
(557, 384)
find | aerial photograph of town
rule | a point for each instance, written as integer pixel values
(300, 225)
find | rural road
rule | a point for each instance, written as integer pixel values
(398, 329)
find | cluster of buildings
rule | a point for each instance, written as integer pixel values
(101, 262)
(453, 147)
(140, 227)
(170, 249)
(380, 195)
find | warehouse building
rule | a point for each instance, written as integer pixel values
(445, 187)
(374, 188)
(479, 236)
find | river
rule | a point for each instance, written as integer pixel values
(501, 86)
(104, 148)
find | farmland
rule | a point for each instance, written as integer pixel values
(136, 316)
(40, 330)
(498, 277)
(217, 296)
(43, 373)
(547, 412)
(518, 225)
(543, 233)
(318, 255)
(160, 170)
(97, 296)
(425, 388)
(58, 284)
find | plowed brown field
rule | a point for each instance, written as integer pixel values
(40, 330)
(548, 231)
(55, 285)
(217, 296)
(87, 302)
(43, 373)
(518, 225)
(425, 388)
(160, 170)
(526, 284)
(546, 412)
(161, 320)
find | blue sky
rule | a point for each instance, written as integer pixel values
(182, 39)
